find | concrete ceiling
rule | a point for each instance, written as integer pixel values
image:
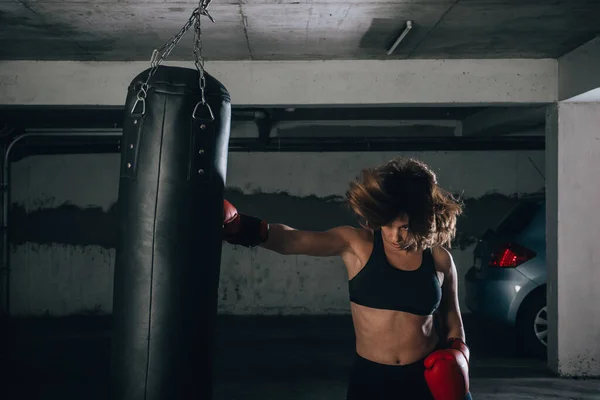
(297, 29)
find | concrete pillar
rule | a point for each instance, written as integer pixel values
(573, 238)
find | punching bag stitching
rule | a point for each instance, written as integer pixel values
(153, 249)
(192, 150)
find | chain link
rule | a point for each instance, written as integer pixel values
(158, 56)
(199, 59)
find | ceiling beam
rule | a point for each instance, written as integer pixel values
(578, 71)
(503, 120)
(292, 83)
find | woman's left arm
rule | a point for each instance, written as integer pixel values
(450, 310)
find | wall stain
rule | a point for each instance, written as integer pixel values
(83, 226)
(481, 214)
(238, 295)
(224, 296)
(66, 224)
(308, 212)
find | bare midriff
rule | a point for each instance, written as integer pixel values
(392, 337)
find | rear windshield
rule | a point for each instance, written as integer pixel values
(518, 218)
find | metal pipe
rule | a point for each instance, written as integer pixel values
(249, 113)
(371, 144)
(6, 188)
(109, 132)
(3, 271)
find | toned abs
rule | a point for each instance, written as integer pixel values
(388, 336)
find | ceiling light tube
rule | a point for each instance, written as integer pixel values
(406, 30)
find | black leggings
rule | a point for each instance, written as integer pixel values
(373, 381)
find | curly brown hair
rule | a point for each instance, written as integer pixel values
(406, 186)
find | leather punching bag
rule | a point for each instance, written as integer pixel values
(172, 177)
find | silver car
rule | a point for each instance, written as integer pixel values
(507, 282)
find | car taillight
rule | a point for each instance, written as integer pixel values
(510, 255)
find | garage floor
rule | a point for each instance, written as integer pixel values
(263, 358)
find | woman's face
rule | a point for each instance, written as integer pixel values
(396, 232)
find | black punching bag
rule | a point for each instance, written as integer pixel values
(172, 177)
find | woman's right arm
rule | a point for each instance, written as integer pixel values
(250, 231)
(286, 240)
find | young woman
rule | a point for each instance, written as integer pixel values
(399, 277)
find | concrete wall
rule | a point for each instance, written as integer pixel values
(63, 224)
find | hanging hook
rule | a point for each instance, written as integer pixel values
(202, 7)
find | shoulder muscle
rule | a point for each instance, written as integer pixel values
(443, 259)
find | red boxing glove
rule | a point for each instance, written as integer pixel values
(447, 371)
(243, 229)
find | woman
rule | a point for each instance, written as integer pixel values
(399, 275)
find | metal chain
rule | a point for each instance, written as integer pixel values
(199, 59)
(165, 50)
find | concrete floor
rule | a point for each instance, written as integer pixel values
(263, 358)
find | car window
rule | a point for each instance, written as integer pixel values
(518, 218)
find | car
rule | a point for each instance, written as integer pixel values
(507, 282)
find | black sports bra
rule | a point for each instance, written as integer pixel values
(380, 285)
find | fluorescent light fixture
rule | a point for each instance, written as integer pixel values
(401, 38)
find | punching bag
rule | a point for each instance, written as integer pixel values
(172, 177)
